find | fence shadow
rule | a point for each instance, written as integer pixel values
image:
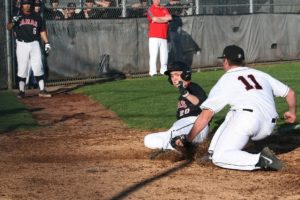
(139, 185)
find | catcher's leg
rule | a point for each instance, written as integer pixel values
(228, 152)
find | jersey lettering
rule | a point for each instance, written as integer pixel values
(29, 22)
(181, 104)
(248, 86)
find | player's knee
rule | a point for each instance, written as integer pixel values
(21, 79)
(216, 157)
(38, 78)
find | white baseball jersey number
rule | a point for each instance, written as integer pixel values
(248, 86)
(184, 112)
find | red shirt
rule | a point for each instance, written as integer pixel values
(158, 30)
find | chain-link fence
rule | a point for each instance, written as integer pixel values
(3, 52)
(70, 35)
(111, 9)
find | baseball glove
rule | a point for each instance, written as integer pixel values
(187, 149)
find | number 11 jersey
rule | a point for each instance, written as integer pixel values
(246, 88)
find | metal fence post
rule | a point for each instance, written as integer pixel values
(123, 8)
(251, 6)
(197, 3)
(8, 47)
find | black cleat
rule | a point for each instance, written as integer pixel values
(44, 93)
(21, 95)
(268, 160)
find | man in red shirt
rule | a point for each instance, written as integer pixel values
(158, 17)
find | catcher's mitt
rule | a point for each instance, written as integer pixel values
(187, 149)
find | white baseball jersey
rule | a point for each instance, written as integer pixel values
(250, 95)
(246, 88)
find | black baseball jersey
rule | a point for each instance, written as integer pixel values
(29, 28)
(185, 108)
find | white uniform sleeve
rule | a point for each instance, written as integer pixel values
(216, 100)
(279, 88)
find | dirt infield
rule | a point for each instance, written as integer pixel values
(84, 151)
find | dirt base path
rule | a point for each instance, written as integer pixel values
(84, 151)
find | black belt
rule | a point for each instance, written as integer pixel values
(25, 40)
(273, 120)
(246, 109)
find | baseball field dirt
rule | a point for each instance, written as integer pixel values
(84, 151)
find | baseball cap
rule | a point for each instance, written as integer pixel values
(54, 1)
(71, 5)
(234, 53)
(37, 3)
(26, 2)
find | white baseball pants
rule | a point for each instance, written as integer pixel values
(161, 140)
(158, 45)
(29, 54)
(233, 135)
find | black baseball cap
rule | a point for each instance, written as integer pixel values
(71, 5)
(37, 3)
(234, 53)
(26, 2)
(54, 1)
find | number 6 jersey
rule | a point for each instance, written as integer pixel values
(246, 88)
(30, 27)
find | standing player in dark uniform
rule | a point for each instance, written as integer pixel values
(191, 97)
(29, 27)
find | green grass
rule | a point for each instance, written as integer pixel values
(150, 103)
(13, 114)
(143, 103)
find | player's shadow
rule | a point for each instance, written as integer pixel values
(143, 183)
(285, 138)
(181, 45)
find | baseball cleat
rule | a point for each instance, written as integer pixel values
(44, 93)
(268, 160)
(21, 95)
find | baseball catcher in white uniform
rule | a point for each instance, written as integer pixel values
(191, 96)
(28, 28)
(250, 95)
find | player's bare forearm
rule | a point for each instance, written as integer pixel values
(200, 123)
(44, 37)
(193, 99)
(290, 115)
(163, 19)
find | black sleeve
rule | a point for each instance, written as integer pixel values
(197, 91)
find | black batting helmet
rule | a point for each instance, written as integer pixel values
(179, 66)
